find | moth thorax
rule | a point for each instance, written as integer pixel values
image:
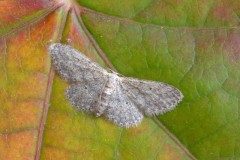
(113, 82)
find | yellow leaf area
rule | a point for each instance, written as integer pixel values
(24, 69)
(69, 134)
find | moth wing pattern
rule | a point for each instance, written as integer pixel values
(85, 96)
(72, 65)
(87, 79)
(120, 110)
(152, 98)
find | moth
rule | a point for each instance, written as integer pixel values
(121, 100)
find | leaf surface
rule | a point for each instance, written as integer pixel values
(189, 44)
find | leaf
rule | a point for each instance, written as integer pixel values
(191, 45)
(24, 74)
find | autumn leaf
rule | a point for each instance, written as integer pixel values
(192, 45)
